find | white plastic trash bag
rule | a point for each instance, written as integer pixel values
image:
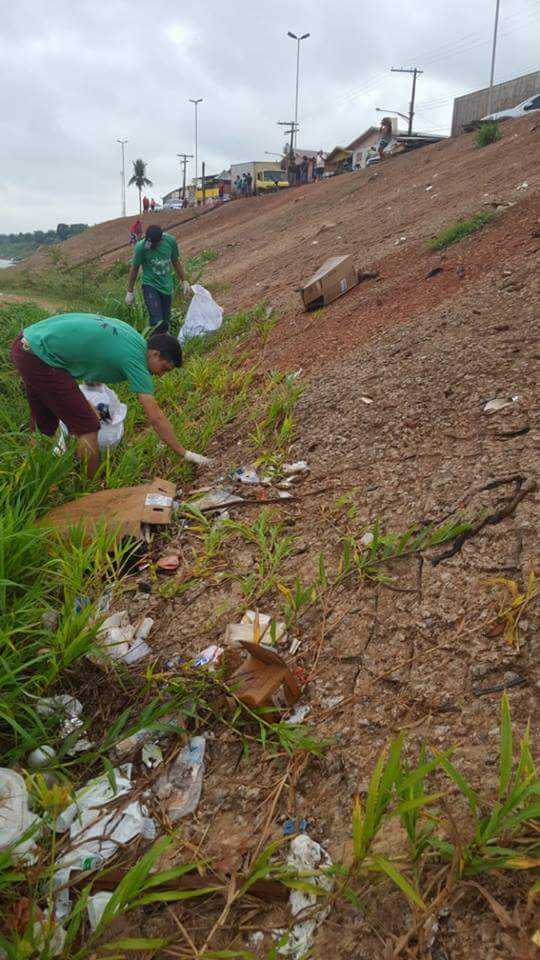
(111, 431)
(204, 315)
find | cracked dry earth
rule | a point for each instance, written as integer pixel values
(418, 654)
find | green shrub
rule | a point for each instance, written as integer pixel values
(488, 133)
(461, 229)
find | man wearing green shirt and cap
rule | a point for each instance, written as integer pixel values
(50, 356)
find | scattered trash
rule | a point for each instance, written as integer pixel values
(69, 709)
(265, 628)
(262, 676)
(95, 907)
(210, 657)
(125, 749)
(169, 563)
(181, 785)
(216, 499)
(400, 240)
(152, 755)
(295, 645)
(434, 272)
(284, 495)
(306, 856)
(499, 403)
(48, 937)
(15, 817)
(366, 399)
(523, 186)
(123, 511)
(41, 757)
(332, 280)
(429, 187)
(246, 475)
(289, 827)
(97, 833)
(367, 539)
(122, 641)
(289, 469)
(299, 714)
(203, 316)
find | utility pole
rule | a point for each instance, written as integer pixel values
(415, 73)
(123, 176)
(203, 183)
(184, 157)
(292, 132)
(196, 104)
(298, 41)
(490, 93)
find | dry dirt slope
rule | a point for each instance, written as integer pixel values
(419, 654)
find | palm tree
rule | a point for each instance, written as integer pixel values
(140, 179)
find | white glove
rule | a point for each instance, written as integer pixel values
(197, 458)
(186, 288)
(130, 298)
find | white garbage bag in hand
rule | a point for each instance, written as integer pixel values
(111, 430)
(203, 316)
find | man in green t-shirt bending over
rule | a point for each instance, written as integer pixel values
(53, 354)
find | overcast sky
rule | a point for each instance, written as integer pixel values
(77, 74)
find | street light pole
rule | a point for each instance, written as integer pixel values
(490, 93)
(196, 104)
(123, 176)
(298, 41)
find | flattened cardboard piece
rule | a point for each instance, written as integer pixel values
(261, 675)
(332, 280)
(122, 511)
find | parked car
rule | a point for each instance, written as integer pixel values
(522, 109)
(173, 205)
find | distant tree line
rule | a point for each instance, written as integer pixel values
(17, 245)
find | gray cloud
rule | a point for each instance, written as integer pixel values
(79, 74)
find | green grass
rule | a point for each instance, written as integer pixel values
(487, 133)
(463, 228)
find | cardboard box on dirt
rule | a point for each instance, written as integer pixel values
(121, 511)
(332, 280)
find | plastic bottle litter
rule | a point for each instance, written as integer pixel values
(181, 785)
(15, 817)
(305, 857)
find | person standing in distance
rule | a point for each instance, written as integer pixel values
(158, 255)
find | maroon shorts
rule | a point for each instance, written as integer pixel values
(52, 395)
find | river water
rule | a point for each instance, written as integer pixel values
(6, 263)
